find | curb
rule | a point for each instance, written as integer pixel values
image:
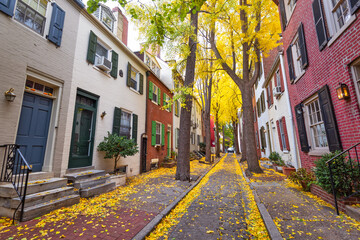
(268, 221)
(152, 224)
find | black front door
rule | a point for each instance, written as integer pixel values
(143, 154)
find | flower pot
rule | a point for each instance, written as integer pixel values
(288, 170)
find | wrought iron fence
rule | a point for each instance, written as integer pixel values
(15, 170)
(348, 164)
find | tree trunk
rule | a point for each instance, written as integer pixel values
(217, 136)
(236, 138)
(224, 145)
(207, 136)
(249, 133)
(183, 161)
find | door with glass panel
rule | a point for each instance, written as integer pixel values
(82, 141)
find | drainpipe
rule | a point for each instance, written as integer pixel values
(146, 114)
(298, 163)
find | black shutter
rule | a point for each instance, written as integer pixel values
(56, 25)
(301, 128)
(128, 77)
(116, 122)
(91, 48)
(114, 60)
(327, 112)
(304, 58)
(282, 14)
(79, 3)
(319, 24)
(141, 84)
(290, 64)
(354, 5)
(7, 7)
(135, 127)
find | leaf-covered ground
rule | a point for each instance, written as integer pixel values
(299, 214)
(119, 214)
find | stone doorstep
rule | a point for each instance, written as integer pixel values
(81, 169)
(40, 175)
(79, 176)
(103, 188)
(92, 182)
(119, 179)
(43, 208)
(8, 190)
(41, 197)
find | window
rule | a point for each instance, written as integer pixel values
(356, 77)
(32, 13)
(291, 4)
(192, 138)
(297, 57)
(177, 130)
(134, 79)
(177, 108)
(158, 133)
(101, 51)
(125, 124)
(277, 78)
(107, 19)
(340, 12)
(198, 139)
(282, 134)
(166, 100)
(316, 125)
(152, 65)
(155, 93)
(262, 138)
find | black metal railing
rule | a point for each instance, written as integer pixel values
(345, 171)
(15, 170)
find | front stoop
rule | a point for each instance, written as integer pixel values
(90, 182)
(43, 196)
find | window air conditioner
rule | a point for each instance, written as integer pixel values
(277, 91)
(103, 63)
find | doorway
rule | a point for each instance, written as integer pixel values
(143, 154)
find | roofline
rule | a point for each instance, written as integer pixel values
(272, 69)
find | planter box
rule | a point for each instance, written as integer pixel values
(288, 170)
(169, 164)
(119, 179)
(278, 168)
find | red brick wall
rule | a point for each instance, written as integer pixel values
(155, 113)
(270, 59)
(330, 66)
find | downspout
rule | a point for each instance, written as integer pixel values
(298, 163)
(146, 115)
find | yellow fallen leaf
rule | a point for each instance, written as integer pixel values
(210, 231)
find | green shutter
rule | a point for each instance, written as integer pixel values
(159, 97)
(164, 99)
(135, 127)
(162, 134)
(116, 122)
(91, 48)
(114, 60)
(128, 78)
(141, 86)
(150, 90)
(153, 133)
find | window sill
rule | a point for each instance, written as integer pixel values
(155, 102)
(298, 78)
(134, 91)
(286, 151)
(341, 30)
(318, 152)
(99, 70)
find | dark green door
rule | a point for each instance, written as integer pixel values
(82, 141)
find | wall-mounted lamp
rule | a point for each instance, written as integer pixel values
(103, 114)
(121, 74)
(10, 95)
(343, 92)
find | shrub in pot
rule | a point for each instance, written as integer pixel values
(276, 159)
(303, 177)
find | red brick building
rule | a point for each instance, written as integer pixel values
(321, 40)
(159, 119)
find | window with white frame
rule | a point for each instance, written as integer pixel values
(166, 103)
(297, 57)
(356, 76)
(32, 14)
(192, 138)
(107, 19)
(277, 78)
(316, 125)
(340, 12)
(134, 79)
(158, 133)
(177, 131)
(289, 8)
(153, 66)
(125, 124)
(282, 134)
(155, 93)
(101, 51)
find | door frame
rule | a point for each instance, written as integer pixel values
(93, 127)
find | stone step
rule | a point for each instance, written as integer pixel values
(81, 169)
(97, 190)
(92, 182)
(79, 176)
(8, 191)
(36, 198)
(46, 207)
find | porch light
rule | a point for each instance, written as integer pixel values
(343, 92)
(10, 95)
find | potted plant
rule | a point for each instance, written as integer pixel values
(288, 169)
(303, 177)
(168, 162)
(116, 147)
(277, 161)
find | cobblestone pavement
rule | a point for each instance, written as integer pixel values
(218, 212)
(128, 210)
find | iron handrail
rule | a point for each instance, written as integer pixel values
(15, 169)
(329, 163)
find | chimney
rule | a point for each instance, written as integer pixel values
(121, 25)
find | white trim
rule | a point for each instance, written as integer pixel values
(341, 30)
(356, 78)
(131, 120)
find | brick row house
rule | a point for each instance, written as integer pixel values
(75, 80)
(321, 41)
